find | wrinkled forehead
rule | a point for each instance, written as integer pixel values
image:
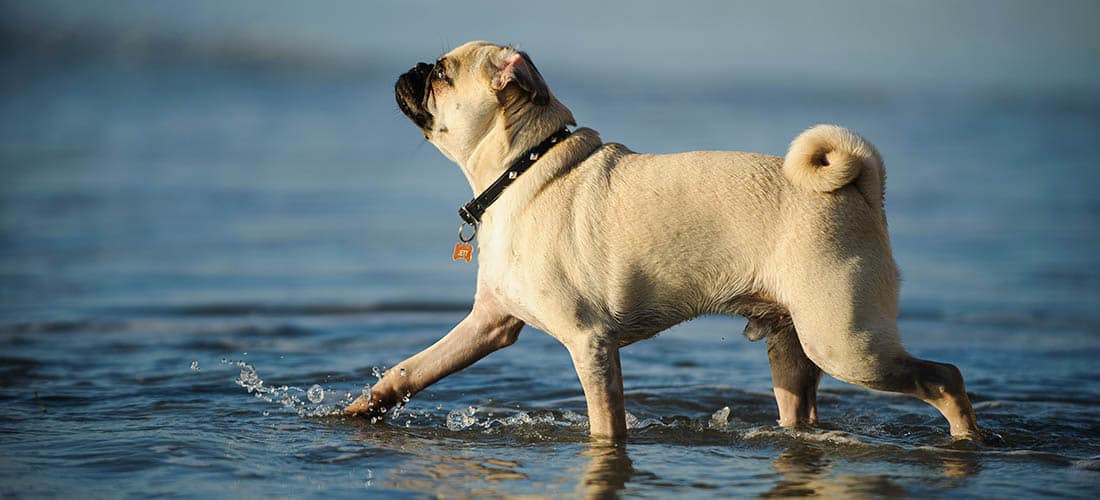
(479, 59)
(471, 51)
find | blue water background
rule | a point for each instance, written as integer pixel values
(189, 206)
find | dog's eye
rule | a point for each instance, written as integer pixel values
(439, 74)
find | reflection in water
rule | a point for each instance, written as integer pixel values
(434, 461)
(801, 468)
(608, 470)
(447, 467)
(806, 471)
(433, 466)
(960, 465)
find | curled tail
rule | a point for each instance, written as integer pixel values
(826, 158)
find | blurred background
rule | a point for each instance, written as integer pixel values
(183, 182)
(249, 155)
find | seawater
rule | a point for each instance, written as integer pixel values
(200, 265)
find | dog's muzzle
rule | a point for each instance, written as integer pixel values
(411, 91)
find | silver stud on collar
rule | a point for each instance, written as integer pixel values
(534, 156)
(513, 174)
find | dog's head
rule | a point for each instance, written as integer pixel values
(474, 90)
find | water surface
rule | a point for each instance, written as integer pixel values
(199, 264)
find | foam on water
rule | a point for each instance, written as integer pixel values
(1092, 464)
(818, 436)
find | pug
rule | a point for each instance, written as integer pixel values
(600, 247)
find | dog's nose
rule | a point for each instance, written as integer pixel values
(421, 69)
(411, 90)
(416, 77)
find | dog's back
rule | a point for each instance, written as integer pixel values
(662, 238)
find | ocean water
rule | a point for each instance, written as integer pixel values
(200, 264)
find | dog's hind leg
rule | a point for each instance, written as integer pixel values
(597, 363)
(876, 360)
(940, 385)
(794, 376)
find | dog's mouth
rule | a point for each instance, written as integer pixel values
(412, 90)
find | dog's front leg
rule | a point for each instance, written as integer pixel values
(597, 365)
(486, 329)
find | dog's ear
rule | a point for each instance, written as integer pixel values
(516, 67)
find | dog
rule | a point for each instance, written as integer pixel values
(600, 247)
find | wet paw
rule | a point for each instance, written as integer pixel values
(367, 408)
(981, 437)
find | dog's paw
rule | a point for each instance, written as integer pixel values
(368, 408)
(981, 437)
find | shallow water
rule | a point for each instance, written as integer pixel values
(198, 265)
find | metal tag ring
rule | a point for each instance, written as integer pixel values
(467, 239)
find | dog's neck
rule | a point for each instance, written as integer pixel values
(518, 128)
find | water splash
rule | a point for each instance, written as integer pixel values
(316, 394)
(287, 396)
(458, 420)
(720, 421)
(195, 366)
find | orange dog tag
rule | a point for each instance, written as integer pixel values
(463, 251)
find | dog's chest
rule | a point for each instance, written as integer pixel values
(508, 283)
(524, 283)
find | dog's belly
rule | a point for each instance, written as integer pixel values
(568, 310)
(631, 301)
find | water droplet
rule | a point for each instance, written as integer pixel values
(375, 372)
(316, 394)
(632, 422)
(382, 409)
(366, 391)
(458, 420)
(195, 366)
(402, 372)
(266, 413)
(471, 411)
(720, 419)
